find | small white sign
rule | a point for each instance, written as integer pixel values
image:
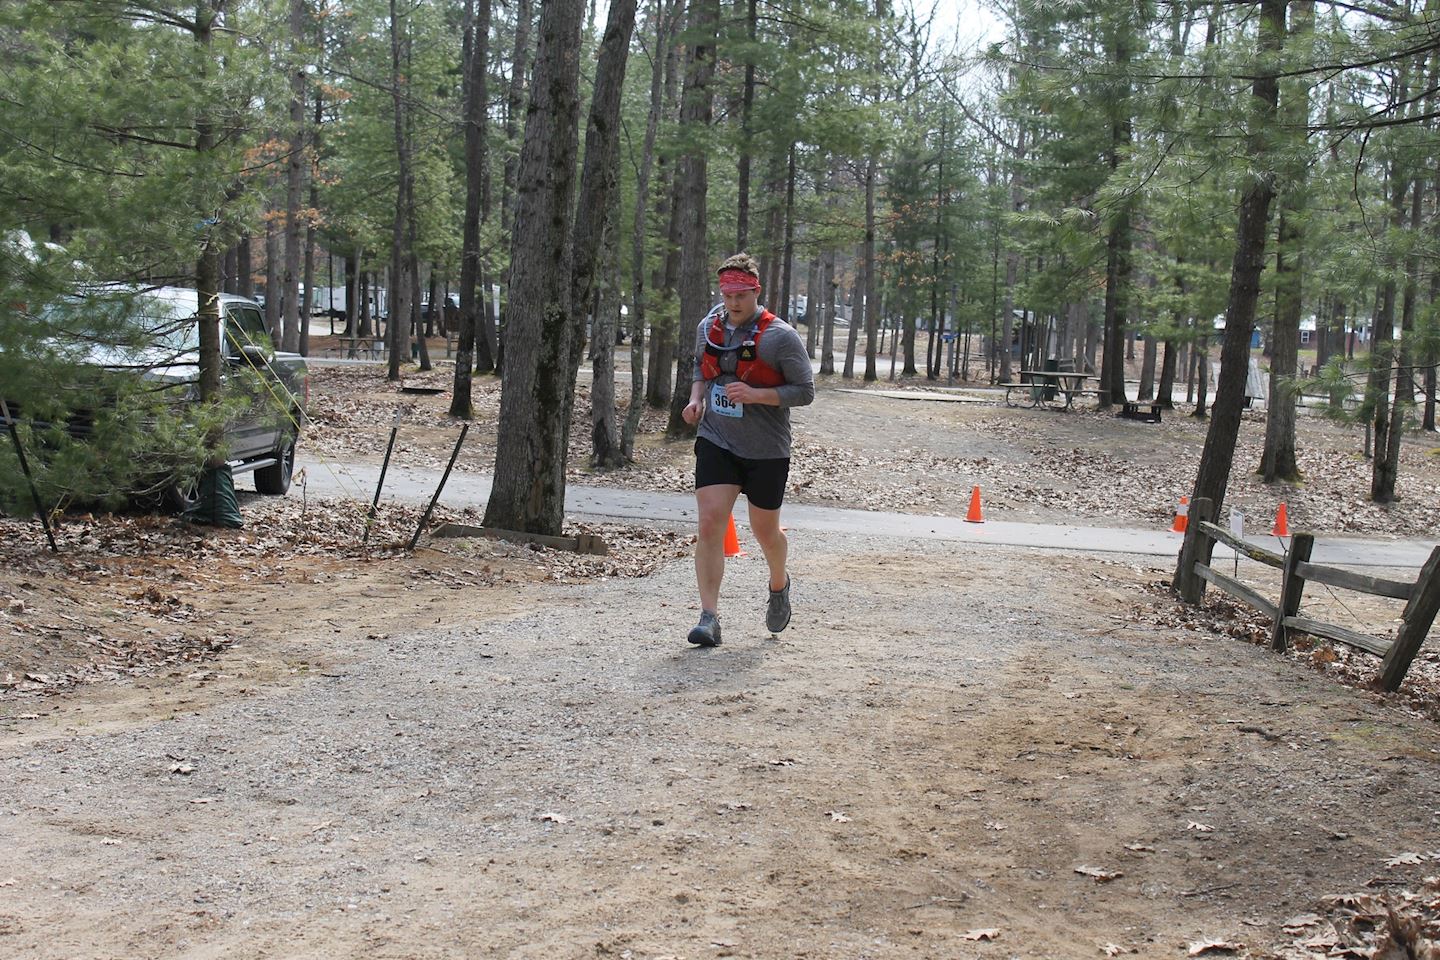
(1237, 524)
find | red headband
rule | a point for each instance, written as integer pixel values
(736, 280)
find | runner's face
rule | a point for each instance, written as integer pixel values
(741, 306)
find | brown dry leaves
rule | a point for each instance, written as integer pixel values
(129, 595)
(1223, 615)
(1083, 465)
(1396, 925)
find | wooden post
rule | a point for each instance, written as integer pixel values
(1196, 548)
(1292, 586)
(1415, 624)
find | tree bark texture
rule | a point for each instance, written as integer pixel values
(1404, 401)
(827, 308)
(857, 295)
(664, 14)
(397, 327)
(1218, 455)
(595, 232)
(272, 280)
(515, 105)
(207, 265)
(872, 297)
(601, 164)
(538, 376)
(695, 113)
(294, 180)
(747, 107)
(1278, 460)
(476, 333)
(605, 453)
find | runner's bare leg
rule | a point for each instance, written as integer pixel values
(765, 526)
(715, 504)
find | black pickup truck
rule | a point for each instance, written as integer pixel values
(152, 337)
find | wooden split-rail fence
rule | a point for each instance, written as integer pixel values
(1421, 596)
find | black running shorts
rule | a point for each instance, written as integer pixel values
(762, 481)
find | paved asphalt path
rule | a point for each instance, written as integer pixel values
(357, 480)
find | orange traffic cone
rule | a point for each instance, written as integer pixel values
(732, 541)
(973, 514)
(1182, 516)
(1282, 524)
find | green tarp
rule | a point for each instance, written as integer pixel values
(217, 505)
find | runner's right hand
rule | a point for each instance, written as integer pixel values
(693, 411)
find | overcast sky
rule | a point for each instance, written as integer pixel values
(967, 21)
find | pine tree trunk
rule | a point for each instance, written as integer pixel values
(812, 282)
(1146, 388)
(827, 307)
(357, 309)
(595, 233)
(601, 162)
(207, 266)
(244, 282)
(272, 281)
(697, 105)
(604, 438)
(541, 338)
(398, 324)
(857, 297)
(352, 297)
(1117, 290)
(872, 298)
(787, 255)
(294, 181)
(228, 269)
(1429, 359)
(1404, 400)
(474, 343)
(1118, 241)
(515, 107)
(773, 240)
(1218, 455)
(663, 16)
(310, 231)
(1278, 460)
(671, 334)
(476, 47)
(1165, 392)
(747, 107)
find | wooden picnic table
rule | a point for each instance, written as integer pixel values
(1056, 389)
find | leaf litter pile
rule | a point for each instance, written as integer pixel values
(1398, 923)
(133, 595)
(1222, 615)
(1080, 466)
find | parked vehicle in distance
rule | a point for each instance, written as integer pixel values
(153, 334)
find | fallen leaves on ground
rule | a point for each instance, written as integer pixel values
(1219, 614)
(128, 595)
(1085, 465)
(1398, 924)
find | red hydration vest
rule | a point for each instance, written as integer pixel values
(748, 365)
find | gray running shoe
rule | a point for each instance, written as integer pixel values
(777, 615)
(707, 632)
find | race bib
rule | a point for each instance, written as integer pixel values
(722, 404)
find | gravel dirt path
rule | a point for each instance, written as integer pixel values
(952, 752)
(277, 743)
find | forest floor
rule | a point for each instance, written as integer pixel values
(282, 742)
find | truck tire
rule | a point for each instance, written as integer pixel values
(274, 480)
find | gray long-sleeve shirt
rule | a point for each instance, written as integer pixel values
(763, 432)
